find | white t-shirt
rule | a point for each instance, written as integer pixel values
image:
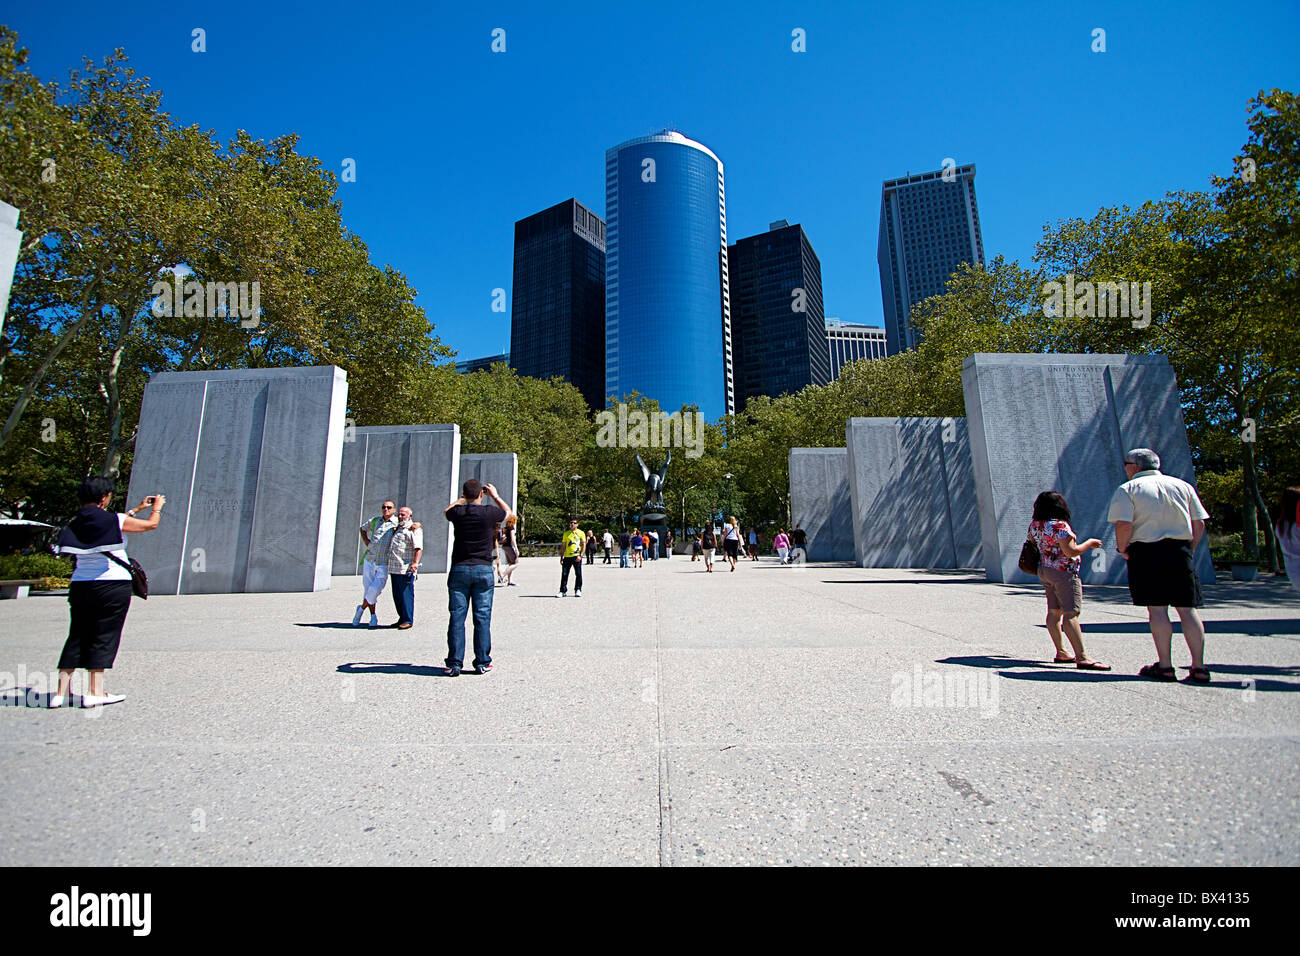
(1159, 506)
(97, 567)
(608, 540)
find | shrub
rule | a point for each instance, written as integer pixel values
(18, 567)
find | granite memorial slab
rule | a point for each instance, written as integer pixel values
(11, 241)
(1063, 423)
(413, 465)
(912, 493)
(500, 469)
(820, 501)
(249, 461)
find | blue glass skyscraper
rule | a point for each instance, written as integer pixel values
(667, 307)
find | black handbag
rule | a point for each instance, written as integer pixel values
(139, 580)
(1029, 557)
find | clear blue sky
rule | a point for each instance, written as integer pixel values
(453, 143)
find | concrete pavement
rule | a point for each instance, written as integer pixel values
(826, 714)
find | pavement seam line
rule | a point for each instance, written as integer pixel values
(661, 750)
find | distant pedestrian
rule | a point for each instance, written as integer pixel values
(782, 545)
(653, 546)
(1059, 562)
(470, 580)
(375, 535)
(709, 541)
(697, 548)
(100, 593)
(510, 549)
(571, 544)
(404, 552)
(1287, 527)
(496, 554)
(731, 540)
(607, 541)
(798, 545)
(624, 546)
(668, 542)
(1159, 520)
(591, 547)
(753, 544)
(638, 548)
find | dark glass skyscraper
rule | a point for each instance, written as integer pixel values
(928, 227)
(778, 330)
(667, 308)
(557, 318)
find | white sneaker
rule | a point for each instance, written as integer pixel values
(561, 594)
(577, 594)
(374, 621)
(89, 701)
(56, 701)
(356, 618)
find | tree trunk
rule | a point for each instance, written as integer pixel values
(113, 399)
(1270, 538)
(1249, 492)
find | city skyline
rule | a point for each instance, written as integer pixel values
(812, 139)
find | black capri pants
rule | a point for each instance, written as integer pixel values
(98, 611)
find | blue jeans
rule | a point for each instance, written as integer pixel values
(622, 557)
(466, 584)
(404, 597)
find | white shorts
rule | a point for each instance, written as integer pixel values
(373, 580)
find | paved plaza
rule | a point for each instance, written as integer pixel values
(819, 715)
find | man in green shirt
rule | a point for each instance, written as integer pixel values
(571, 545)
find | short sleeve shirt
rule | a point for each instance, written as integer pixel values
(474, 524)
(1048, 535)
(379, 530)
(1159, 506)
(573, 542)
(98, 567)
(402, 547)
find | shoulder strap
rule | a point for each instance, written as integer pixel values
(116, 560)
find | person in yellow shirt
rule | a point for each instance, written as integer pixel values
(571, 545)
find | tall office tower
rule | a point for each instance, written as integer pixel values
(557, 319)
(847, 342)
(778, 331)
(667, 305)
(928, 227)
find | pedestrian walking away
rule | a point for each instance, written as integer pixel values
(709, 541)
(404, 550)
(1059, 562)
(469, 582)
(99, 594)
(798, 545)
(731, 540)
(607, 542)
(624, 546)
(653, 547)
(753, 544)
(375, 536)
(571, 545)
(1159, 520)
(781, 544)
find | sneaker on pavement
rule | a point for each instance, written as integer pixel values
(56, 700)
(451, 671)
(356, 618)
(577, 594)
(561, 594)
(482, 669)
(88, 701)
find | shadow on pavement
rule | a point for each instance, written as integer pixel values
(418, 670)
(1068, 673)
(344, 624)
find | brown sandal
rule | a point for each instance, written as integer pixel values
(1199, 675)
(1157, 672)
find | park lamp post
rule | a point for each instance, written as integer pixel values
(576, 479)
(728, 476)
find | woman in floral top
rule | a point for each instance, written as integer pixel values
(1058, 569)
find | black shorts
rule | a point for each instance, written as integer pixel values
(732, 547)
(98, 611)
(1163, 574)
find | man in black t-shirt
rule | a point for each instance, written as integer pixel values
(470, 580)
(624, 542)
(800, 553)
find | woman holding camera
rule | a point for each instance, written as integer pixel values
(100, 593)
